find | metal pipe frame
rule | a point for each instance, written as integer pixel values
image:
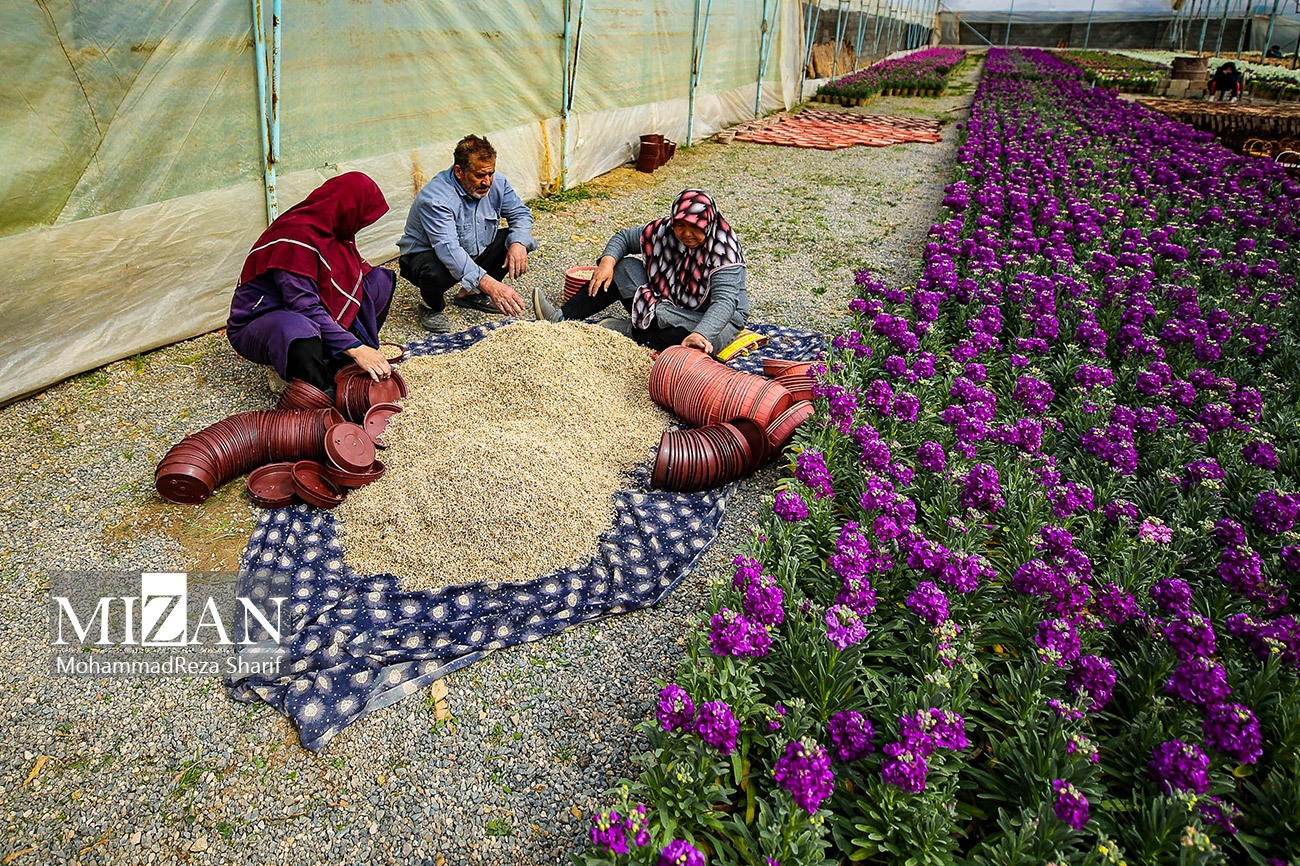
(1205, 24)
(810, 33)
(266, 104)
(572, 53)
(697, 59)
(764, 47)
(1247, 14)
(1006, 34)
(862, 32)
(1087, 32)
(840, 23)
(1272, 19)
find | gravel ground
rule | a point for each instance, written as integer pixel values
(167, 771)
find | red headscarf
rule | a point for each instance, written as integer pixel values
(316, 238)
(677, 272)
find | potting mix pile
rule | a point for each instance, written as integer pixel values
(358, 643)
(507, 457)
(834, 130)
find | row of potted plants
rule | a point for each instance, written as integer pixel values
(1117, 71)
(1262, 80)
(1025, 597)
(919, 73)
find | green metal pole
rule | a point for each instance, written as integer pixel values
(763, 32)
(1006, 35)
(1272, 18)
(810, 33)
(862, 33)
(1087, 33)
(1241, 30)
(263, 110)
(697, 58)
(1223, 25)
(1205, 24)
(839, 35)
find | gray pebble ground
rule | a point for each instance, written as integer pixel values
(171, 770)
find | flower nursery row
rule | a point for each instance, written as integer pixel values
(921, 72)
(1263, 80)
(1026, 597)
(1118, 71)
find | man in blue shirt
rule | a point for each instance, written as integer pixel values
(453, 237)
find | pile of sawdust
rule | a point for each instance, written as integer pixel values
(504, 460)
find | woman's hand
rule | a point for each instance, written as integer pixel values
(696, 340)
(602, 277)
(370, 360)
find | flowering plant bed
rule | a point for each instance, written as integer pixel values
(924, 72)
(1117, 71)
(1026, 596)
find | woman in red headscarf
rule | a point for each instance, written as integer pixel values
(307, 301)
(688, 288)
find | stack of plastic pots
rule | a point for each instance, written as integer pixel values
(796, 376)
(650, 156)
(701, 391)
(355, 392)
(202, 462)
(576, 280)
(707, 457)
(305, 449)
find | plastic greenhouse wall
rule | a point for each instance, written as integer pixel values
(130, 138)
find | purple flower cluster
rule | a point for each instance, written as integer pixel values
(928, 602)
(1094, 675)
(680, 853)
(844, 627)
(713, 721)
(982, 489)
(676, 710)
(1180, 766)
(1070, 806)
(789, 507)
(734, 634)
(1058, 642)
(1233, 730)
(851, 735)
(810, 468)
(804, 772)
(611, 832)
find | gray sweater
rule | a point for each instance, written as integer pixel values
(725, 310)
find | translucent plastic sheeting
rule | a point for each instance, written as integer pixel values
(1031, 11)
(131, 176)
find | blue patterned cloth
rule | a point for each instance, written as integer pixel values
(352, 644)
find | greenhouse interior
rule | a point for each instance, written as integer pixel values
(737, 432)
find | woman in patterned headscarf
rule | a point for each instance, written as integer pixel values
(688, 288)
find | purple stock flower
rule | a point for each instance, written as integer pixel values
(851, 735)
(1096, 676)
(763, 602)
(676, 710)
(1172, 595)
(931, 457)
(734, 634)
(1070, 806)
(789, 507)
(1233, 730)
(982, 489)
(717, 726)
(1199, 681)
(747, 570)
(1117, 605)
(844, 627)
(1190, 636)
(1180, 766)
(1275, 512)
(1261, 454)
(804, 771)
(810, 468)
(680, 853)
(1058, 642)
(609, 832)
(928, 602)
(904, 768)
(1120, 509)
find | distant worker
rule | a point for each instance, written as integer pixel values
(688, 287)
(452, 237)
(307, 302)
(1274, 52)
(1226, 83)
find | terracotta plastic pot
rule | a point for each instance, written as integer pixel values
(576, 280)
(205, 460)
(784, 425)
